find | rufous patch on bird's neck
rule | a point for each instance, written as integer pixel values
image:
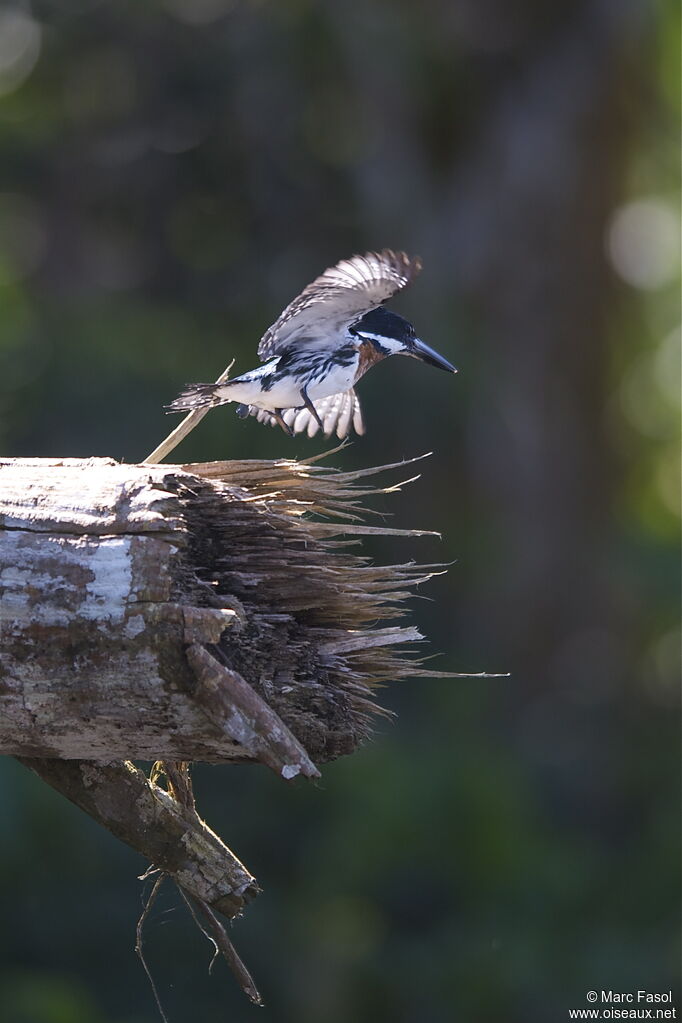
(369, 356)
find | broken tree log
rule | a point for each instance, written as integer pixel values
(202, 612)
(175, 613)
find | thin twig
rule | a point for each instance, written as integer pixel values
(185, 427)
(229, 953)
(138, 945)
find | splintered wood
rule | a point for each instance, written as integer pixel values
(207, 612)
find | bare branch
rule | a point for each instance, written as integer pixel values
(123, 800)
(184, 428)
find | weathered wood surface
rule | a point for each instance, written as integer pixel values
(97, 601)
(110, 573)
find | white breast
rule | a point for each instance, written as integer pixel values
(340, 379)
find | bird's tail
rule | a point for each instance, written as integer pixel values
(197, 396)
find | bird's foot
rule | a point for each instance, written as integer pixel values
(311, 408)
(279, 419)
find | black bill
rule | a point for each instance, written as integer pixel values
(425, 354)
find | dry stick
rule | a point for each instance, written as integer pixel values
(214, 932)
(185, 427)
(229, 952)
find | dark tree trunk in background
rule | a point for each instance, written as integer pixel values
(529, 212)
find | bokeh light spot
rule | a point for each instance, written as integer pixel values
(643, 243)
(20, 38)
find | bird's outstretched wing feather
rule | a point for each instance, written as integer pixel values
(340, 413)
(340, 295)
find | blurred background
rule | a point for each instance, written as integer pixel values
(172, 172)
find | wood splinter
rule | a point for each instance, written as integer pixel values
(237, 709)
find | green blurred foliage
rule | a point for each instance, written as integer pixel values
(171, 174)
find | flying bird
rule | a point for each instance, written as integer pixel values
(316, 351)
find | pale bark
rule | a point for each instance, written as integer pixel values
(110, 573)
(106, 579)
(99, 598)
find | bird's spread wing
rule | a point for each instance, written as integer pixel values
(340, 295)
(340, 413)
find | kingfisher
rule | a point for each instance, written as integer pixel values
(314, 354)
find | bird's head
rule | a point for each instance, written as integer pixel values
(390, 334)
